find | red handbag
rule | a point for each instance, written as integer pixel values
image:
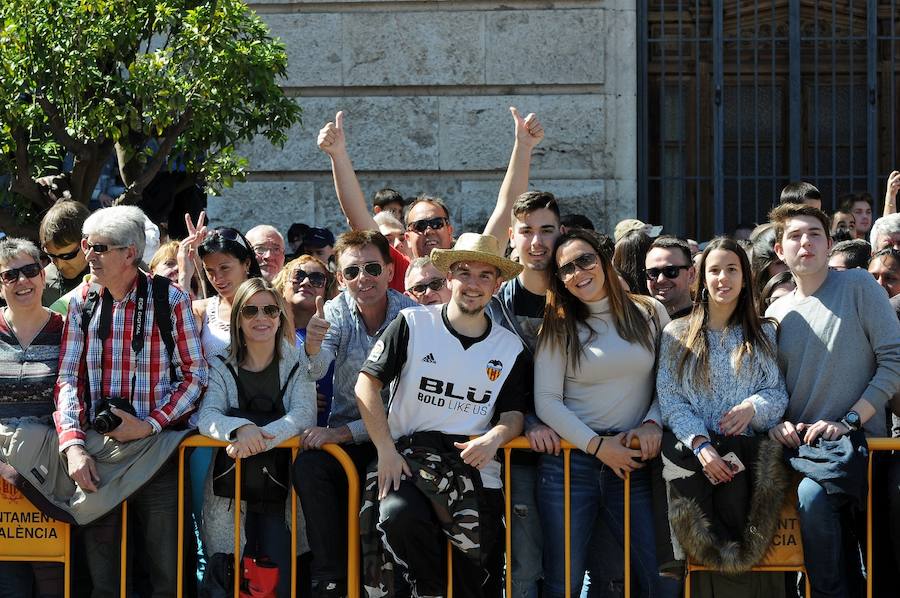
(259, 578)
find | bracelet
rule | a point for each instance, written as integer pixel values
(599, 444)
(703, 444)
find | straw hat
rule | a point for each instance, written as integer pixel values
(630, 225)
(472, 247)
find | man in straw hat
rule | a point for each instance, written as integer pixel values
(454, 376)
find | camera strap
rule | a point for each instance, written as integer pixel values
(137, 327)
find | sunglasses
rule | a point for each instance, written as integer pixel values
(316, 279)
(62, 256)
(231, 234)
(435, 285)
(371, 268)
(585, 261)
(420, 226)
(667, 271)
(99, 247)
(12, 275)
(250, 311)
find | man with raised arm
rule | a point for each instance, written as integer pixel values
(453, 375)
(530, 220)
(839, 349)
(333, 141)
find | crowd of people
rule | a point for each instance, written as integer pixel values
(714, 376)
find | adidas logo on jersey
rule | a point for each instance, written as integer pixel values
(429, 358)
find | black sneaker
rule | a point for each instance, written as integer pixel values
(329, 589)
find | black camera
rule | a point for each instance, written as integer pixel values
(106, 421)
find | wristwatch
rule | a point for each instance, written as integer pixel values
(851, 420)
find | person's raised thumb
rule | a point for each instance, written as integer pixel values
(320, 307)
(515, 113)
(339, 120)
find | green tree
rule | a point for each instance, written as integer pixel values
(143, 80)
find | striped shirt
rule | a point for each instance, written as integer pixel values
(27, 374)
(110, 370)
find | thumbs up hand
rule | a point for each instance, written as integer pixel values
(529, 131)
(316, 329)
(331, 138)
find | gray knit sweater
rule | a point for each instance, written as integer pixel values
(837, 346)
(690, 410)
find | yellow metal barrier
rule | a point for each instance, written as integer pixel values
(522, 443)
(353, 565)
(29, 535)
(54, 543)
(875, 445)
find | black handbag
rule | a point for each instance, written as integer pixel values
(265, 477)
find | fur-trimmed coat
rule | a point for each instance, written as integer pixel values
(728, 527)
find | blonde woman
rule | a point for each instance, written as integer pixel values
(258, 397)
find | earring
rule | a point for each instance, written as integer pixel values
(704, 295)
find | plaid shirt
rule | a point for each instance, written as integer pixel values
(347, 343)
(156, 399)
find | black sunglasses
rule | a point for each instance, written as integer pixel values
(667, 271)
(316, 279)
(420, 226)
(435, 285)
(62, 256)
(371, 268)
(231, 234)
(99, 247)
(12, 275)
(585, 261)
(250, 311)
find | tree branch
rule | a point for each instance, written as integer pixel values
(132, 194)
(58, 127)
(22, 182)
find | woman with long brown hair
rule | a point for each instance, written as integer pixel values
(720, 389)
(594, 386)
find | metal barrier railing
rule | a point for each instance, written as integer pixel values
(353, 566)
(875, 445)
(567, 448)
(353, 537)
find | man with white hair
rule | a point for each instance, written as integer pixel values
(268, 245)
(125, 377)
(885, 233)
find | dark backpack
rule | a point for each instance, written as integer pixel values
(265, 477)
(162, 317)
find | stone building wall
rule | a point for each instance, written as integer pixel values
(426, 87)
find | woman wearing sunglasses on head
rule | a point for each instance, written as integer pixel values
(303, 283)
(594, 387)
(30, 336)
(228, 260)
(720, 390)
(258, 397)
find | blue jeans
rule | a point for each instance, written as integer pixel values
(525, 530)
(16, 579)
(597, 509)
(829, 548)
(267, 535)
